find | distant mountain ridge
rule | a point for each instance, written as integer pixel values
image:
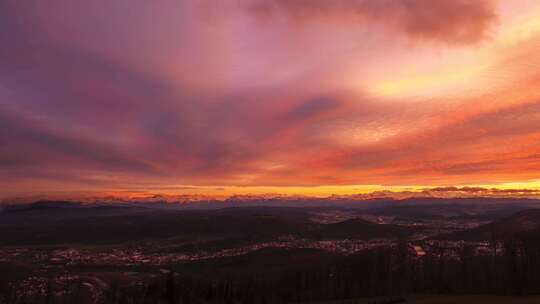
(188, 202)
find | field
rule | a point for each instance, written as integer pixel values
(451, 299)
(476, 300)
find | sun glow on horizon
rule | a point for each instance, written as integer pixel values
(530, 189)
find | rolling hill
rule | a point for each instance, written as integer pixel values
(522, 221)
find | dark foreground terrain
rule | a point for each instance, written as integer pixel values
(363, 252)
(446, 299)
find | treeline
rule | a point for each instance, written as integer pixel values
(514, 269)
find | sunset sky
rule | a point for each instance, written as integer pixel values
(313, 97)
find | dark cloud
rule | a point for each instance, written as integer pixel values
(479, 191)
(454, 189)
(450, 21)
(312, 108)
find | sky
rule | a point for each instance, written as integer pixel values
(311, 97)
